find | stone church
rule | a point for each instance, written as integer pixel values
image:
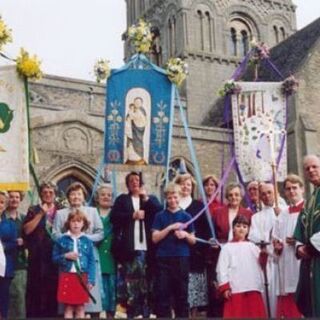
(67, 115)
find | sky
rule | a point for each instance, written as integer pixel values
(70, 35)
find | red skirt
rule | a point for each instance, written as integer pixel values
(287, 308)
(70, 291)
(245, 305)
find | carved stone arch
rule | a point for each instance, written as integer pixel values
(280, 25)
(249, 15)
(77, 139)
(278, 17)
(74, 170)
(214, 10)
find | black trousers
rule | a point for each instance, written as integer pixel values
(172, 287)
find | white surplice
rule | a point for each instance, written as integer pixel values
(238, 266)
(287, 265)
(262, 224)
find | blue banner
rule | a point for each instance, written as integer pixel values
(138, 115)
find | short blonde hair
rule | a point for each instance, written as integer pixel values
(100, 188)
(172, 187)
(180, 178)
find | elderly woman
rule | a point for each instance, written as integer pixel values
(210, 184)
(76, 194)
(197, 291)
(42, 274)
(108, 267)
(224, 216)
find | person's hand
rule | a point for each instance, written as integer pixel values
(227, 294)
(181, 234)
(138, 215)
(20, 242)
(143, 193)
(290, 241)
(44, 207)
(263, 258)
(175, 226)
(71, 255)
(89, 286)
(302, 252)
(278, 246)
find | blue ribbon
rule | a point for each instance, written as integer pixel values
(194, 161)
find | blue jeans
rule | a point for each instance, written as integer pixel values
(172, 287)
(4, 296)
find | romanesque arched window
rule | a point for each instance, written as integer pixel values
(282, 33)
(244, 42)
(233, 43)
(208, 32)
(200, 29)
(276, 34)
(240, 36)
(172, 36)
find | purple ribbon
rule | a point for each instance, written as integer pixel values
(206, 207)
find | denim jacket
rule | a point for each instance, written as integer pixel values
(85, 251)
(8, 238)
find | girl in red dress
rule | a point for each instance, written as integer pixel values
(240, 275)
(74, 254)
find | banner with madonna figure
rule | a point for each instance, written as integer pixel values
(259, 123)
(138, 116)
(14, 147)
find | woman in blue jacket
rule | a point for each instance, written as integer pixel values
(8, 241)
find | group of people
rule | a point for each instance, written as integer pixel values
(146, 258)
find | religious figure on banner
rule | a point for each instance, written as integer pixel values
(136, 132)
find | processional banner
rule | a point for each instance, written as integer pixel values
(259, 123)
(14, 147)
(138, 113)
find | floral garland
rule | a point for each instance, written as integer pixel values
(5, 34)
(101, 70)
(28, 66)
(141, 37)
(290, 86)
(260, 52)
(177, 70)
(230, 87)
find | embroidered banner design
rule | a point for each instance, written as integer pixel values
(259, 122)
(14, 155)
(138, 113)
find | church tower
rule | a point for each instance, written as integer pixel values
(212, 36)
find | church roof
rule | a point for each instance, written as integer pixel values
(291, 54)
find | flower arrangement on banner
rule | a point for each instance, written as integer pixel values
(28, 66)
(177, 70)
(290, 85)
(5, 34)
(230, 87)
(141, 37)
(101, 70)
(260, 52)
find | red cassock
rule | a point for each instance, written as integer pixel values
(245, 305)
